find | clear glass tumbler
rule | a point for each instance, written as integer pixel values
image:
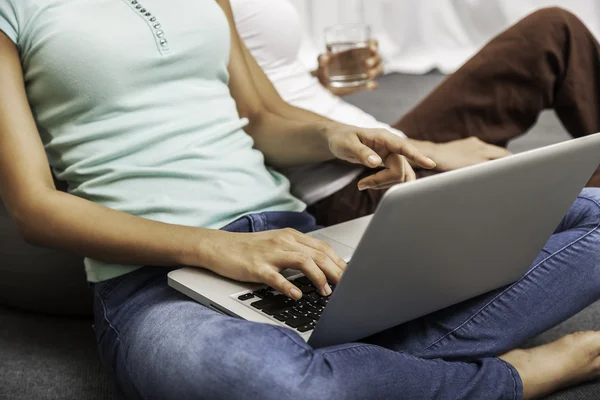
(348, 48)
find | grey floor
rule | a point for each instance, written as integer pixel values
(47, 358)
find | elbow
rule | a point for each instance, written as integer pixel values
(257, 120)
(254, 114)
(27, 224)
(255, 111)
(30, 234)
(26, 228)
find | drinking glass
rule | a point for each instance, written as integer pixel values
(348, 49)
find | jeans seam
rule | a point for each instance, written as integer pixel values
(581, 196)
(265, 222)
(109, 285)
(510, 370)
(512, 376)
(356, 346)
(452, 332)
(127, 367)
(251, 221)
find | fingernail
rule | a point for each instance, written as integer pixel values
(362, 187)
(370, 63)
(432, 162)
(374, 160)
(327, 289)
(295, 293)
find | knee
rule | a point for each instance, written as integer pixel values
(592, 196)
(587, 207)
(547, 35)
(551, 14)
(275, 366)
(553, 20)
(584, 213)
(307, 379)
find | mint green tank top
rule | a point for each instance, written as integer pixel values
(133, 108)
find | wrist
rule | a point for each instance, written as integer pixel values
(201, 248)
(326, 131)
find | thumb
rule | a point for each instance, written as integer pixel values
(322, 75)
(324, 60)
(374, 46)
(365, 154)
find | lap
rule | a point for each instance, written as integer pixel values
(162, 345)
(153, 337)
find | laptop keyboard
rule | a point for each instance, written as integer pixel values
(301, 315)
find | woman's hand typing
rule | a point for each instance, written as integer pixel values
(261, 257)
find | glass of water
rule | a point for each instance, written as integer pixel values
(348, 49)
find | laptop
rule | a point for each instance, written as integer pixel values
(431, 243)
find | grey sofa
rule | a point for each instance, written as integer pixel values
(54, 357)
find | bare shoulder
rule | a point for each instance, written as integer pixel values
(7, 48)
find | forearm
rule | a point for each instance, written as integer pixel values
(290, 136)
(66, 222)
(288, 111)
(288, 142)
(286, 135)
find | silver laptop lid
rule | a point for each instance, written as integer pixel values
(440, 240)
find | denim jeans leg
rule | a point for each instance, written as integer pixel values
(162, 345)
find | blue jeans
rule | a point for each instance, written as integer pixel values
(159, 344)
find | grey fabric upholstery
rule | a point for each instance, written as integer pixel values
(37, 279)
(48, 357)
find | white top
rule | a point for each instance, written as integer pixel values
(272, 31)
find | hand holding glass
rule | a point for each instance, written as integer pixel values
(348, 50)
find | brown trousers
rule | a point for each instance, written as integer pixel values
(549, 60)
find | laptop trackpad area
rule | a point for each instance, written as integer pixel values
(344, 238)
(344, 251)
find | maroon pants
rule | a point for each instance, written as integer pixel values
(549, 60)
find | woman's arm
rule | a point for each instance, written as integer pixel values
(289, 136)
(259, 83)
(448, 156)
(49, 218)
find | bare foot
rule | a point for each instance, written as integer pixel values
(545, 369)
